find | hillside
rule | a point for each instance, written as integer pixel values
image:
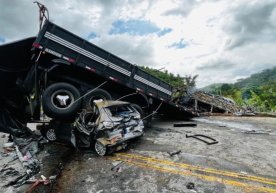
(258, 79)
(213, 87)
(257, 91)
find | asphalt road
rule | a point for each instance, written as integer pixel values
(239, 162)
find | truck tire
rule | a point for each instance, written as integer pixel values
(139, 109)
(95, 95)
(58, 100)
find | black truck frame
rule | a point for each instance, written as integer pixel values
(81, 53)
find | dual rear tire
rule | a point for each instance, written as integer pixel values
(62, 100)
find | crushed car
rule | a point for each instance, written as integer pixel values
(107, 126)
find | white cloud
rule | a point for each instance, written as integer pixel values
(224, 40)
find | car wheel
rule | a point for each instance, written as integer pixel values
(100, 148)
(59, 100)
(49, 134)
(95, 95)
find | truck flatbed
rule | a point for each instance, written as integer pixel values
(80, 53)
(63, 44)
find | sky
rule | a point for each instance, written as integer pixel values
(219, 40)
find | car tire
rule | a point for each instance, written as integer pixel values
(58, 100)
(95, 95)
(100, 148)
(49, 134)
(139, 109)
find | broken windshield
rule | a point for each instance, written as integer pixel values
(122, 110)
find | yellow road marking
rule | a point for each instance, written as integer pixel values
(198, 168)
(151, 164)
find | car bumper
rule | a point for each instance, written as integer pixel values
(127, 137)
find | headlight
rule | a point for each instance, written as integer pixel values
(108, 124)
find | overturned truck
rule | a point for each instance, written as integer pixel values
(65, 73)
(61, 74)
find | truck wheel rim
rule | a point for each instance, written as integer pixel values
(100, 148)
(62, 99)
(51, 135)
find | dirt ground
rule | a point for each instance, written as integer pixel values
(239, 162)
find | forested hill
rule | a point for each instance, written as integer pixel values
(258, 79)
(255, 80)
(258, 90)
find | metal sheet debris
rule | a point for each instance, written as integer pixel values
(199, 137)
(184, 125)
(174, 153)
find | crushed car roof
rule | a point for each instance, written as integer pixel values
(102, 103)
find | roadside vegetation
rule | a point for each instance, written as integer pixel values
(257, 91)
(176, 81)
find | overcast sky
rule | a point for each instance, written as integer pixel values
(220, 40)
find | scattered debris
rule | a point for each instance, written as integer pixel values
(9, 172)
(198, 137)
(43, 177)
(256, 132)
(35, 184)
(119, 169)
(23, 145)
(53, 178)
(188, 131)
(190, 185)
(117, 166)
(9, 144)
(174, 153)
(185, 125)
(220, 102)
(8, 149)
(17, 182)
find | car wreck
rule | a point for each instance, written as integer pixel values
(116, 124)
(108, 126)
